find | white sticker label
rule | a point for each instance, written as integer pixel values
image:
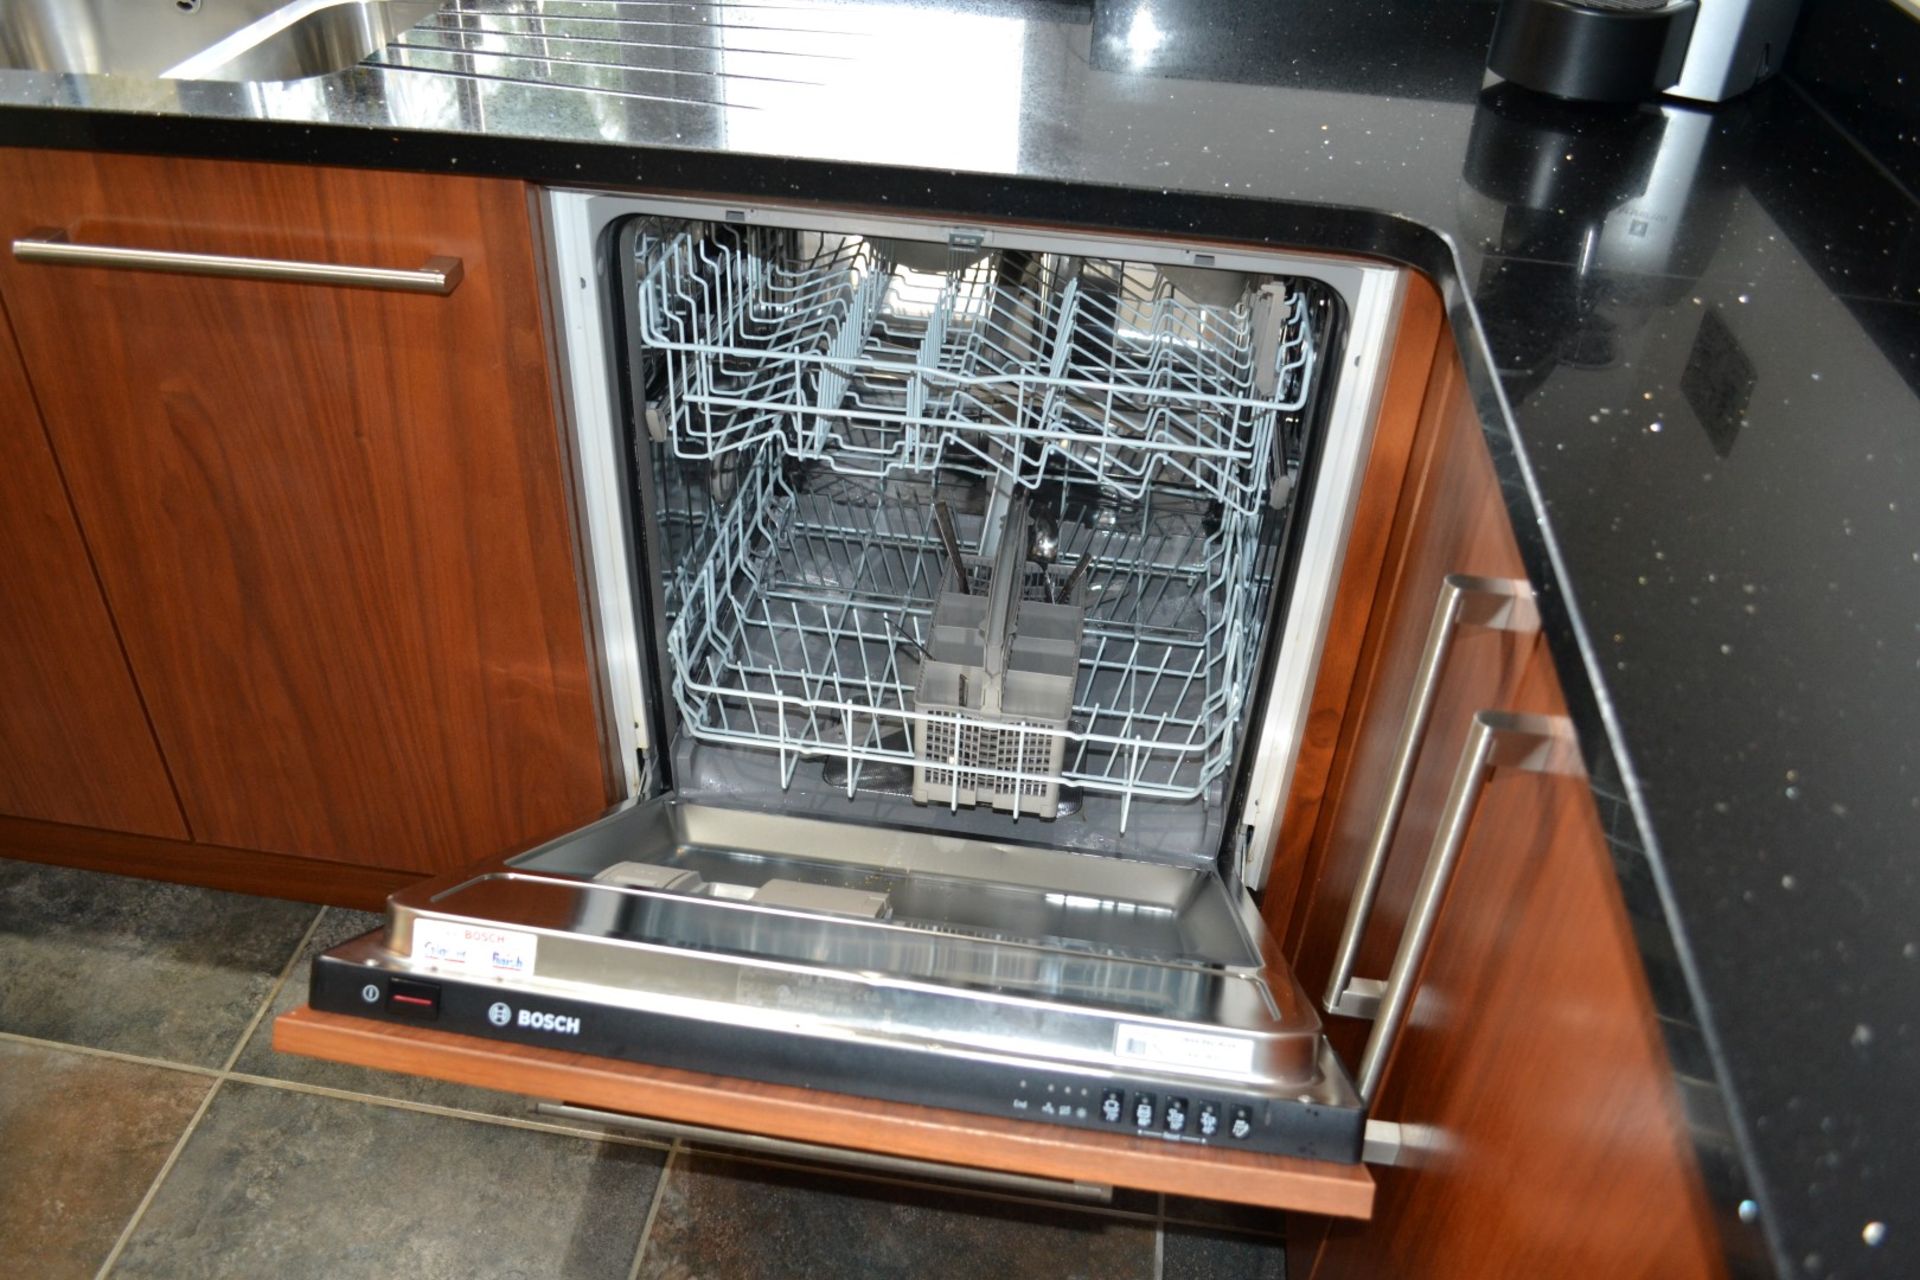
(1182, 1048)
(448, 944)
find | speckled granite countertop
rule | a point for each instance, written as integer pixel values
(1694, 338)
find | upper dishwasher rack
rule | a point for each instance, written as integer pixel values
(853, 352)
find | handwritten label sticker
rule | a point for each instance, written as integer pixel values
(470, 948)
(1171, 1048)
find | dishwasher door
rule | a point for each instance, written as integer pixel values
(996, 979)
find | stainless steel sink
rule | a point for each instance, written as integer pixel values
(200, 39)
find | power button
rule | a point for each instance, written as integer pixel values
(414, 999)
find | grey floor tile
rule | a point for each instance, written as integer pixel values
(1245, 1218)
(1194, 1253)
(296, 1185)
(744, 1220)
(162, 970)
(259, 1058)
(81, 1138)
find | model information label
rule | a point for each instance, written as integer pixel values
(1182, 1048)
(473, 948)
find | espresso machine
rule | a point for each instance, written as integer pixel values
(1631, 50)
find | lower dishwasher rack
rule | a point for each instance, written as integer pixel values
(802, 630)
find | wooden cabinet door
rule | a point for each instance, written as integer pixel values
(74, 742)
(331, 522)
(1543, 1128)
(1545, 1134)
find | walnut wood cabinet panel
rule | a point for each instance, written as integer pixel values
(1542, 1125)
(331, 522)
(74, 742)
(1545, 1138)
(832, 1120)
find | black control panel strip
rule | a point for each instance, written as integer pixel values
(1100, 1101)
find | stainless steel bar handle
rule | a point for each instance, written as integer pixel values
(1503, 604)
(440, 276)
(1496, 739)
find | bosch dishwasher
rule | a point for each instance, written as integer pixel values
(962, 589)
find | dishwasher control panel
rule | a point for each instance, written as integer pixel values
(1175, 1115)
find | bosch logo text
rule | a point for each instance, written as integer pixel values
(557, 1023)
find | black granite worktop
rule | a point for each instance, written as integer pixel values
(1694, 338)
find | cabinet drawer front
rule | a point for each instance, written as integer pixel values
(1544, 1135)
(1538, 1123)
(332, 522)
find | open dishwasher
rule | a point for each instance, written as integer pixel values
(970, 584)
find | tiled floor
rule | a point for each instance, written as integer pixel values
(147, 1128)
